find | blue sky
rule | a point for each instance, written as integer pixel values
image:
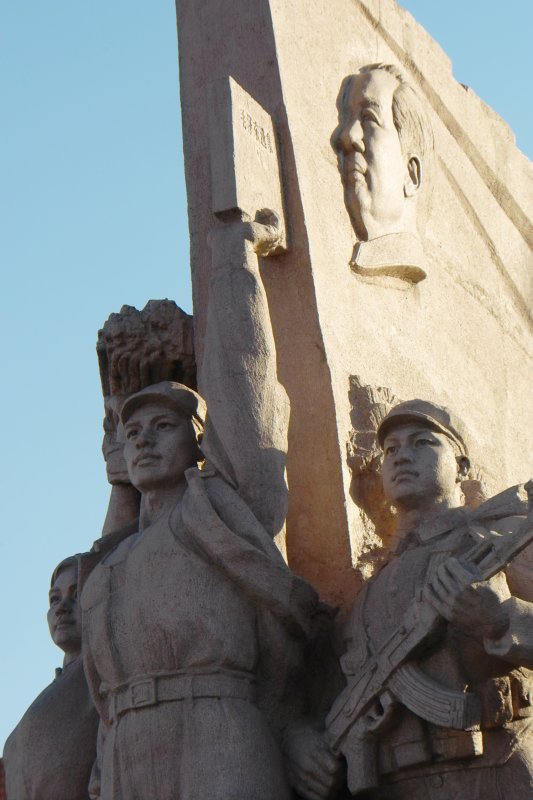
(92, 216)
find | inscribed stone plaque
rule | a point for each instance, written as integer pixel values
(244, 158)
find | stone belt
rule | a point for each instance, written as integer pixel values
(152, 690)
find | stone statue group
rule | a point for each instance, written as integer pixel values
(197, 666)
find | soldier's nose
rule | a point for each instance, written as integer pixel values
(145, 437)
(63, 607)
(402, 455)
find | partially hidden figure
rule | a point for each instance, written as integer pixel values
(195, 630)
(385, 146)
(50, 753)
(439, 695)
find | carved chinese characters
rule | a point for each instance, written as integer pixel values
(243, 144)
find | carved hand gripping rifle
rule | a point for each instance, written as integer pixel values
(392, 675)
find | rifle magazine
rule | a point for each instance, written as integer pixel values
(432, 701)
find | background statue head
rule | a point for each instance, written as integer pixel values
(63, 613)
(425, 457)
(385, 145)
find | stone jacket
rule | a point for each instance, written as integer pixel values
(50, 753)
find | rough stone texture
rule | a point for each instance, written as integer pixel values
(461, 337)
(159, 337)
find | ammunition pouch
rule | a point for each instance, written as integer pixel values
(440, 744)
(501, 700)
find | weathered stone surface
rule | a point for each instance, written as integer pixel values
(159, 338)
(461, 337)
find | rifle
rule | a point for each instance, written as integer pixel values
(392, 676)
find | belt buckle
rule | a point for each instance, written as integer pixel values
(143, 693)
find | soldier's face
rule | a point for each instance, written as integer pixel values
(160, 444)
(420, 468)
(63, 614)
(373, 167)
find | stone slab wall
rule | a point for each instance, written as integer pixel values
(462, 337)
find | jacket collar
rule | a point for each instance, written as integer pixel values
(397, 255)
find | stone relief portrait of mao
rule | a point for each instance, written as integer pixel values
(384, 142)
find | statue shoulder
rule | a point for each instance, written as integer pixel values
(512, 502)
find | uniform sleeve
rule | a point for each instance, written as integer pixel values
(95, 778)
(516, 645)
(246, 431)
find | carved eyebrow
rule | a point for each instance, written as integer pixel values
(129, 423)
(424, 432)
(164, 415)
(390, 439)
(372, 103)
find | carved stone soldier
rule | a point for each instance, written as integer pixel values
(194, 628)
(50, 753)
(457, 720)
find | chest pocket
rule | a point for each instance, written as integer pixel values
(454, 544)
(96, 588)
(108, 576)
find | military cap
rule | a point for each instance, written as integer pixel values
(175, 396)
(434, 416)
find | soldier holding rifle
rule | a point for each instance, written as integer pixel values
(439, 695)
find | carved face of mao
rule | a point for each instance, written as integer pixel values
(63, 614)
(377, 175)
(160, 445)
(420, 468)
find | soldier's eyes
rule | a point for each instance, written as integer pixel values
(132, 433)
(389, 451)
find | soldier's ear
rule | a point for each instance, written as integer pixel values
(463, 467)
(413, 180)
